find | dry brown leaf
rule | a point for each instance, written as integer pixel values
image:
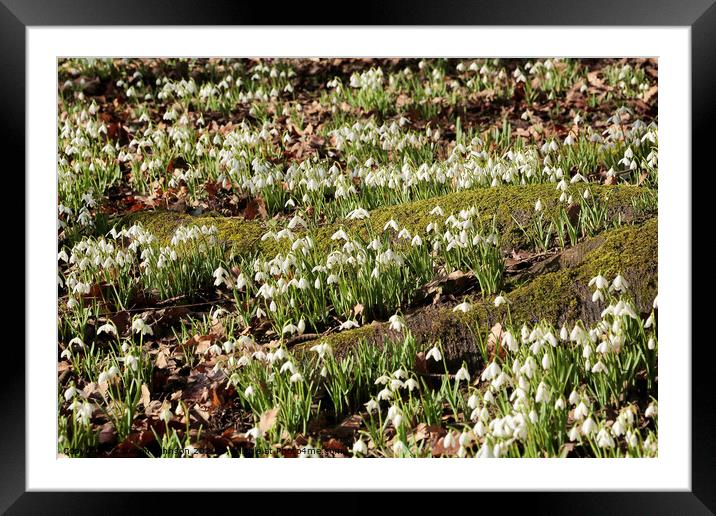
(146, 396)
(268, 419)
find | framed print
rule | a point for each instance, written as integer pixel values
(420, 242)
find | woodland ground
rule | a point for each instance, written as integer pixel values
(357, 257)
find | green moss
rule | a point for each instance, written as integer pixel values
(504, 204)
(559, 297)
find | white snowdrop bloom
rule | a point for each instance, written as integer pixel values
(509, 340)
(651, 411)
(604, 439)
(359, 447)
(463, 307)
(559, 404)
(500, 300)
(538, 205)
(449, 440)
(391, 224)
(578, 177)
(404, 234)
(589, 426)
(396, 323)
(85, 412)
(655, 304)
(371, 406)
(71, 392)
(632, 439)
(569, 140)
(574, 433)
(220, 276)
(581, 411)
(358, 214)
(546, 361)
(385, 394)
(437, 211)
(619, 284)
(434, 353)
(542, 395)
(249, 392)
(76, 341)
(599, 367)
(461, 375)
(485, 452)
(491, 372)
(473, 401)
(651, 344)
(382, 380)
(347, 325)
(396, 384)
(599, 281)
(253, 433)
(288, 366)
(139, 325)
(131, 362)
(416, 242)
(411, 384)
(289, 328)
(340, 234)
(108, 327)
(165, 414)
(296, 377)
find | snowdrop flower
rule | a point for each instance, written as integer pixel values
(437, 211)
(288, 366)
(538, 205)
(546, 361)
(599, 281)
(416, 242)
(84, 413)
(340, 234)
(372, 406)
(463, 307)
(359, 447)
(559, 404)
(574, 433)
(651, 344)
(542, 395)
(108, 327)
(581, 411)
(619, 284)
(139, 325)
(358, 214)
(462, 374)
(589, 426)
(253, 433)
(491, 372)
(385, 394)
(500, 300)
(604, 439)
(650, 411)
(220, 276)
(347, 325)
(396, 323)
(411, 384)
(449, 440)
(249, 392)
(434, 353)
(509, 340)
(599, 367)
(391, 224)
(296, 377)
(485, 452)
(71, 392)
(656, 303)
(382, 380)
(322, 349)
(131, 362)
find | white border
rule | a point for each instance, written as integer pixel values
(670, 471)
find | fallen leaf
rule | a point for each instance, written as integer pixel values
(268, 419)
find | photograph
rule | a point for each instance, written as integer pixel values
(357, 257)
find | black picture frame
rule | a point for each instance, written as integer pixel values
(699, 15)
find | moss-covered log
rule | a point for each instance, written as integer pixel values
(505, 204)
(560, 296)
